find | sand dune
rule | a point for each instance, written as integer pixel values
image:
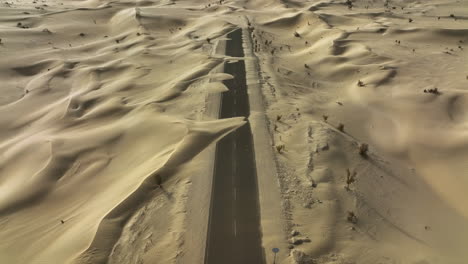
(367, 68)
(99, 99)
(88, 120)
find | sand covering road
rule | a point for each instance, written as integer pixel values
(97, 96)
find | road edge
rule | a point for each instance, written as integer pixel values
(199, 200)
(273, 223)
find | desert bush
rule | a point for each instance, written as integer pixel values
(350, 178)
(280, 148)
(432, 91)
(341, 127)
(363, 148)
(351, 217)
(278, 117)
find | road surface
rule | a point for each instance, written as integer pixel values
(234, 234)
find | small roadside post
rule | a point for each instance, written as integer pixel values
(275, 250)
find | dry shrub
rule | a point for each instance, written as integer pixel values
(363, 149)
(351, 217)
(350, 177)
(341, 127)
(280, 148)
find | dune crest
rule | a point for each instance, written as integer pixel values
(109, 115)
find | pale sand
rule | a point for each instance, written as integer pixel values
(87, 119)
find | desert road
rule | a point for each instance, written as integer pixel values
(234, 234)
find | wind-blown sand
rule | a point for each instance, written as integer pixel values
(99, 97)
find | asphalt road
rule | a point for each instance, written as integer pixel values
(234, 234)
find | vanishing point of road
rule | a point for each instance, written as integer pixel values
(234, 234)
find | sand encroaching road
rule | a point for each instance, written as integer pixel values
(87, 117)
(98, 96)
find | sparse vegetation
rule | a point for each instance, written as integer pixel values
(314, 184)
(363, 149)
(326, 147)
(325, 118)
(360, 83)
(280, 148)
(82, 34)
(432, 91)
(350, 178)
(351, 217)
(297, 35)
(410, 20)
(341, 127)
(278, 117)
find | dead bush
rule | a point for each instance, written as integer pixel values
(280, 148)
(363, 149)
(350, 178)
(351, 217)
(341, 127)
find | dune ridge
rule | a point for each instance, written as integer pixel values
(365, 68)
(99, 99)
(95, 120)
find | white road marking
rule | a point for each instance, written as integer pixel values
(234, 165)
(235, 227)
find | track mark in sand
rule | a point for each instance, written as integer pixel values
(234, 234)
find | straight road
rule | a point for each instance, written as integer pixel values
(234, 234)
